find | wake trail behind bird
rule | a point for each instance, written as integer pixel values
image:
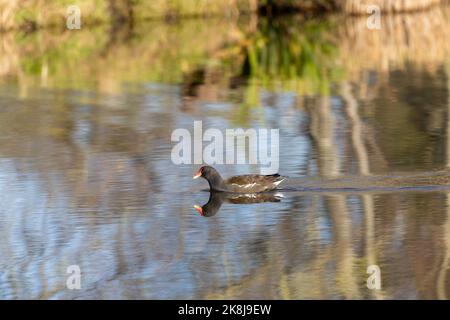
(403, 182)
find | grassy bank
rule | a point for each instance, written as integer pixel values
(32, 14)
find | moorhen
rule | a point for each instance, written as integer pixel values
(249, 183)
(216, 199)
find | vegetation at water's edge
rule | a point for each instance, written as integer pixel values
(302, 55)
(33, 14)
(301, 59)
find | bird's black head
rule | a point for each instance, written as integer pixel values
(212, 176)
(206, 172)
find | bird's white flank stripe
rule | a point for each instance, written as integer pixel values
(278, 182)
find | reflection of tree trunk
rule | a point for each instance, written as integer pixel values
(447, 69)
(357, 134)
(364, 169)
(322, 130)
(442, 276)
(346, 279)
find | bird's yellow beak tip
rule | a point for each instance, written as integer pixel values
(197, 175)
(199, 209)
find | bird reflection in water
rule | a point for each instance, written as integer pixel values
(216, 199)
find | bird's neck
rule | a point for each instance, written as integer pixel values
(217, 183)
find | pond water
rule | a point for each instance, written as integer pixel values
(86, 176)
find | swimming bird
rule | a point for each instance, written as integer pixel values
(249, 183)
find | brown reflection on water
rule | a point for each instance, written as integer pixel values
(86, 176)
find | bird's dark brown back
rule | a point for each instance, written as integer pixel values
(253, 182)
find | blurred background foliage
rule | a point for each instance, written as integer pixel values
(292, 53)
(31, 14)
(301, 59)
